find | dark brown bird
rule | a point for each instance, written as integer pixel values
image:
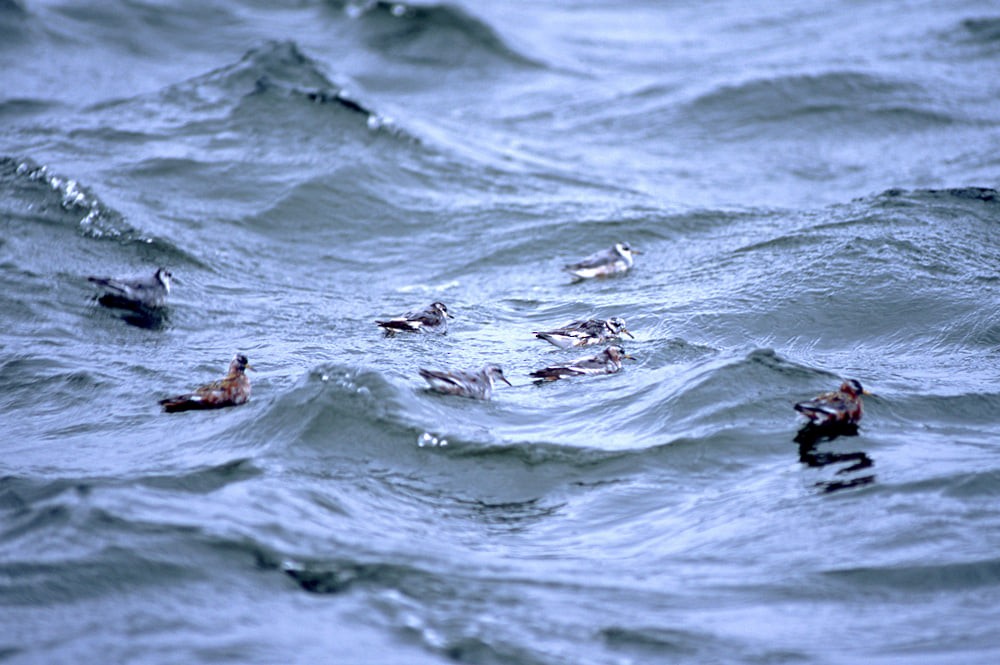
(840, 407)
(233, 390)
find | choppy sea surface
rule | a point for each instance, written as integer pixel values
(813, 187)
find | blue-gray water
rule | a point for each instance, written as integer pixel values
(813, 188)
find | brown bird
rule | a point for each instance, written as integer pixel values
(841, 407)
(230, 391)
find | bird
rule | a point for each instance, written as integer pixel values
(616, 259)
(433, 318)
(477, 385)
(608, 361)
(586, 332)
(837, 408)
(142, 293)
(233, 390)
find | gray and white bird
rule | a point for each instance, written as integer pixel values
(477, 385)
(135, 293)
(586, 332)
(616, 259)
(608, 361)
(433, 318)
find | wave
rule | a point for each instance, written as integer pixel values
(69, 547)
(55, 198)
(48, 384)
(860, 101)
(272, 80)
(345, 411)
(949, 195)
(25, 493)
(789, 107)
(931, 234)
(437, 35)
(71, 579)
(983, 30)
(920, 578)
(44, 202)
(17, 108)
(15, 26)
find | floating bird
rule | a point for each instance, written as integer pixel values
(586, 332)
(477, 385)
(230, 391)
(841, 407)
(135, 294)
(433, 318)
(608, 361)
(616, 259)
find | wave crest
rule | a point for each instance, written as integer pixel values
(38, 187)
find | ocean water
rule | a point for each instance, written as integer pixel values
(814, 189)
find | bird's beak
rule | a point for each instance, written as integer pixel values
(628, 357)
(251, 368)
(628, 333)
(636, 251)
(504, 379)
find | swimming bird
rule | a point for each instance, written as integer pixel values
(135, 293)
(608, 361)
(233, 390)
(477, 385)
(840, 407)
(433, 318)
(586, 332)
(616, 259)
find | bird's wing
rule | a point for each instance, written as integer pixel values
(594, 260)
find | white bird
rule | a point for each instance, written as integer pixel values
(616, 259)
(135, 293)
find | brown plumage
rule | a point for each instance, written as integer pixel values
(233, 390)
(840, 407)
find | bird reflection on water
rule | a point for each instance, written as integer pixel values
(811, 436)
